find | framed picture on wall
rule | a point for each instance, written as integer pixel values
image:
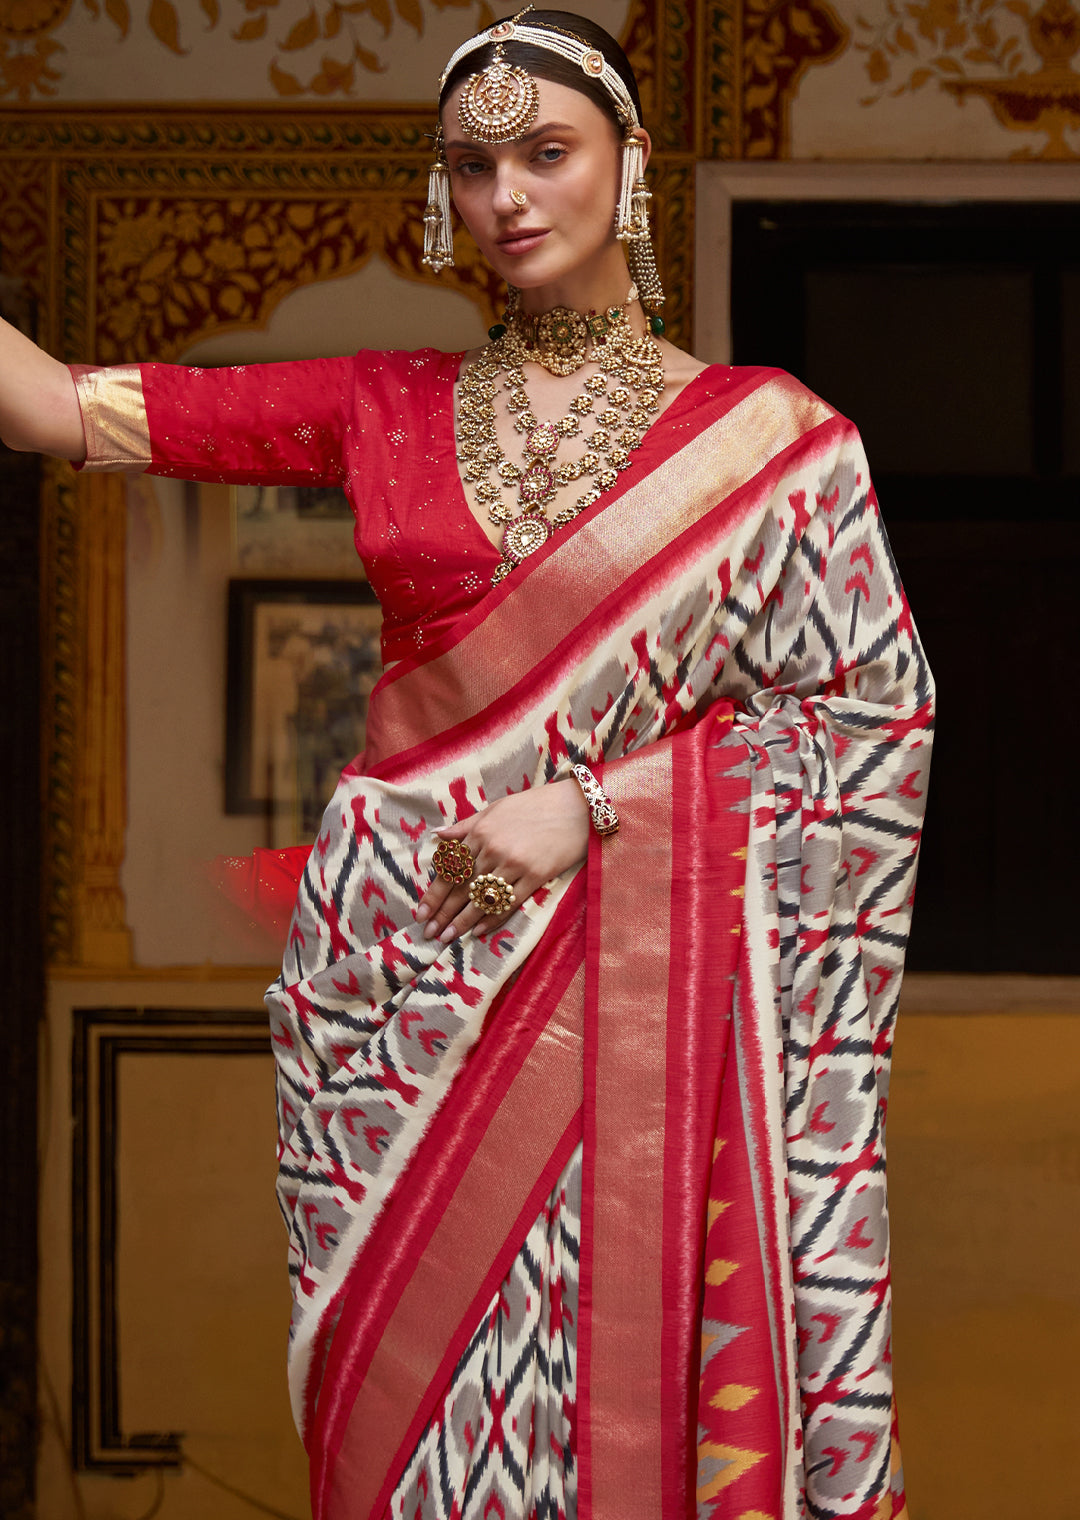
(292, 530)
(303, 657)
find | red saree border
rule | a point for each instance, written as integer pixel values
(495, 659)
(361, 1435)
(620, 1310)
(710, 828)
(662, 941)
(768, 1168)
(454, 1223)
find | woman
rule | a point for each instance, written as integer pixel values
(582, 1138)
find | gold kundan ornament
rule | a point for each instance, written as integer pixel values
(491, 894)
(453, 861)
(500, 104)
(618, 415)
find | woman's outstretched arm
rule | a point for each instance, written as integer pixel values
(39, 410)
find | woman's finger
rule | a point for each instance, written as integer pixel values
(456, 830)
(436, 894)
(473, 917)
(440, 888)
(456, 900)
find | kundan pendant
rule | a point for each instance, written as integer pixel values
(536, 485)
(542, 439)
(525, 535)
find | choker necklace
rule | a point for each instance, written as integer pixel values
(559, 340)
(622, 415)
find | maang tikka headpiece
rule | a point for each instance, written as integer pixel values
(500, 103)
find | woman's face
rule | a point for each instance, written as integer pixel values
(567, 166)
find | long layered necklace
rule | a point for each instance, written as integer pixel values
(620, 400)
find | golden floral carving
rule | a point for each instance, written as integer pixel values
(24, 223)
(979, 48)
(28, 18)
(330, 58)
(26, 70)
(170, 272)
(104, 938)
(781, 40)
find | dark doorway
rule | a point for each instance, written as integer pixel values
(950, 334)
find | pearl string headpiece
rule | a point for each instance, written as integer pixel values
(589, 59)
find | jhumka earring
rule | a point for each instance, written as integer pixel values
(632, 228)
(438, 233)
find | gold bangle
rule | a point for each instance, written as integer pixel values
(604, 818)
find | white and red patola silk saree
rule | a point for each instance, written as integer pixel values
(587, 1216)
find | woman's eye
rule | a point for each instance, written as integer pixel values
(551, 155)
(470, 166)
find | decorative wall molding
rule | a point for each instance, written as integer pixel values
(102, 1037)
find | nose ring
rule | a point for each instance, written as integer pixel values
(519, 198)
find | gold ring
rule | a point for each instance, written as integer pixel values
(453, 861)
(519, 198)
(491, 894)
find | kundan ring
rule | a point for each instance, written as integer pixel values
(453, 861)
(491, 894)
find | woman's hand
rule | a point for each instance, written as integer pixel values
(526, 838)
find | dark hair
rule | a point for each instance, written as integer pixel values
(541, 63)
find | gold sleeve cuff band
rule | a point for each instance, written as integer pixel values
(114, 416)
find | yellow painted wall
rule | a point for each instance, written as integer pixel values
(984, 1170)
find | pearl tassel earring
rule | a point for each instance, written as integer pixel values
(627, 227)
(632, 228)
(438, 233)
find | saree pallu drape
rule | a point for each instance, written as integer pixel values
(706, 1008)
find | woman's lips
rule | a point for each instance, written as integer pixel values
(522, 241)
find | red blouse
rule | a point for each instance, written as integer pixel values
(378, 424)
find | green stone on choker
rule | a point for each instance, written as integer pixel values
(656, 326)
(496, 331)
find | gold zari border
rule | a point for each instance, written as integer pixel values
(114, 417)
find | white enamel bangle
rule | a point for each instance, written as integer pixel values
(604, 818)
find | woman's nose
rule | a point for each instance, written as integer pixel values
(508, 198)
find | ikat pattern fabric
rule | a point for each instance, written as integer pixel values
(792, 611)
(502, 1441)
